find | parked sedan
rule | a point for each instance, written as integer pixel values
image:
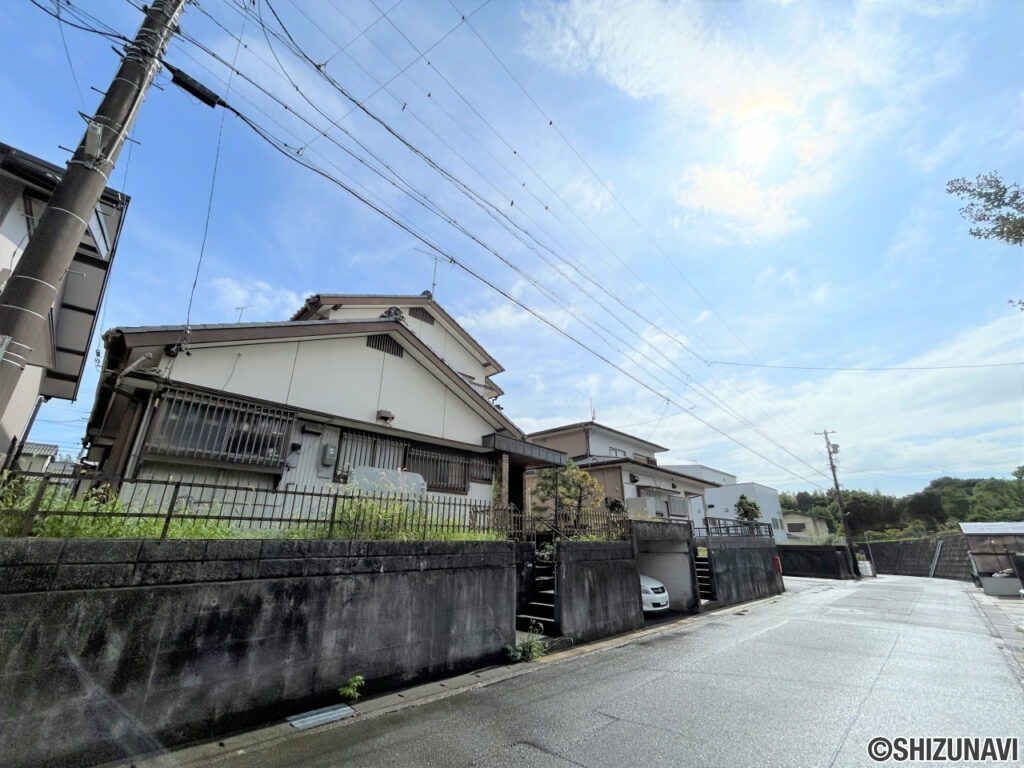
(654, 594)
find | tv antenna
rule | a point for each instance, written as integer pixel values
(242, 309)
(436, 257)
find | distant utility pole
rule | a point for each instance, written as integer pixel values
(832, 451)
(32, 288)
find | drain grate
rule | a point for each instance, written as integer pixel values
(317, 717)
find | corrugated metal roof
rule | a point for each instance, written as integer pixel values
(40, 449)
(993, 529)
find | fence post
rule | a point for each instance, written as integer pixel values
(334, 506)
(33, 508)
(170, 509)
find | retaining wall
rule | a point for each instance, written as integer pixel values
(597, 591)
(914, 557)
(741, 574)
(110, 648)
(816, 561)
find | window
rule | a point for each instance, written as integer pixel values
(362, 449)
(193, 425)
(482, 469)
(796, 527)
(443, 470)
(617, 452)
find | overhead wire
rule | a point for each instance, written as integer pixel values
(481, 201)
(573, 310)
(425, 240)
(593, 172)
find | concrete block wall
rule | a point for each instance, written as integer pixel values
(110, 648)
(597, 589)
(816, 561)
(745, 574)
(914, 557)
(953, 560)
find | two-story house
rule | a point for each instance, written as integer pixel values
(628, 471)
(55, 368)
(349, 384)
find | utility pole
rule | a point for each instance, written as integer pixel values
(32, 288)
(832, 450)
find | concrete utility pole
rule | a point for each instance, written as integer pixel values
(832, 451)
(32, 288)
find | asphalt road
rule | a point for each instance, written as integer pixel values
(805, 679)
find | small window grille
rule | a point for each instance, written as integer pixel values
(198, 426)
(421, 314)
(482, 469)
(384, 343)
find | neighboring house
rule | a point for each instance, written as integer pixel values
(36, 457)
(627, 470)
(350, 384)
(803, 527)
(54, 369)
(721, 503)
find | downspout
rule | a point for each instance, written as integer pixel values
(140, 435)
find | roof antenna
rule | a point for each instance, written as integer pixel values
(436, 258)
(242, 309)
(593, 415)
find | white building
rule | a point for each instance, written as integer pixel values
(721, 503)
(54, 369)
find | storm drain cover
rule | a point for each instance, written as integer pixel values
(320, 716)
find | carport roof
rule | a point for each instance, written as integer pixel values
(993, 529)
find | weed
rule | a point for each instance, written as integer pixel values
(350, 690)
(531, 647)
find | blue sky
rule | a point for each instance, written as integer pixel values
(682, 187)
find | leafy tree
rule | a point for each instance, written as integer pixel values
(995, 206)
(925, 508)
(787, 501)
(747, 509)
(804, 501)
(576, 489)
(995, 500)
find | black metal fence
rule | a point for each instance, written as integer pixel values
(725, 527)
(85, 505)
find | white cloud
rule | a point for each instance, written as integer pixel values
(260, 300)
(736, 195)
(776, 111)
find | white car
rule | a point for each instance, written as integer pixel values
(654, 594)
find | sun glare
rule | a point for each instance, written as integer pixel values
(755, 141)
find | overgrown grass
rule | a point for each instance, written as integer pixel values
(100, 513)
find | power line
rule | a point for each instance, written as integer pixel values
(893, 368)
(478, 200)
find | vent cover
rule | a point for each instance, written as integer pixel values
(384, 343)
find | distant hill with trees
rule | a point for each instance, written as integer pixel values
(945, 502)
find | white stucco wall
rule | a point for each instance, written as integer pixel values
(725, 499)
(444, 344)
(342, 377)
